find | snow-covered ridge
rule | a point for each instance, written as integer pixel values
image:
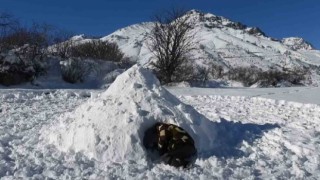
(228, 44)
(297, 43)
(213, 21)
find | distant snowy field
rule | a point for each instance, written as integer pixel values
(305, 95)
(263, 136)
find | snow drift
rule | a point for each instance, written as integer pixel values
(110, 127)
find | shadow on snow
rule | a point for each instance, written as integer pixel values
(231, 134)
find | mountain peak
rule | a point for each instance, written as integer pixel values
(194, 11)
(213, 21)
(297, 43)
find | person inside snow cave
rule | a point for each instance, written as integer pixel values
(174, 145)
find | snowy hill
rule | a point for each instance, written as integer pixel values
(228, 44)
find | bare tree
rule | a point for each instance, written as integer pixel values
(171, 41)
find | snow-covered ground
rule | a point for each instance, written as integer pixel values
(306, 95)
(257, 133)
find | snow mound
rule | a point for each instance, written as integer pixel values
(110, 127)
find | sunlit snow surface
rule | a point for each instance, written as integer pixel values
(260, 133)
(264, 138)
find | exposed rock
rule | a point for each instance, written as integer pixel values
(255, 31)
(296, 43)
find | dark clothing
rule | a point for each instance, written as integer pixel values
(181, 156)
(173, 143)
(171, 138)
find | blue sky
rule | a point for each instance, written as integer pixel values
(277, 18)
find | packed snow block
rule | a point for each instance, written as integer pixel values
(110, 127)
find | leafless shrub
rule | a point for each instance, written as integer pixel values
(62, 44)
(15, 69)
(216, 71)
(201, 74)
(23, 50)
(75, 70)
(185, 72)
(250, 76)
(98, 49)
(36, 35)
(63, 49)
(28, 44)
(33, 56)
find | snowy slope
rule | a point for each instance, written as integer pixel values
(223, 42)
(132, 41)
(226, 43)
(297, 43)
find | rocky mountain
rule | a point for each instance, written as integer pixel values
(297, 43)
(228, 44)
